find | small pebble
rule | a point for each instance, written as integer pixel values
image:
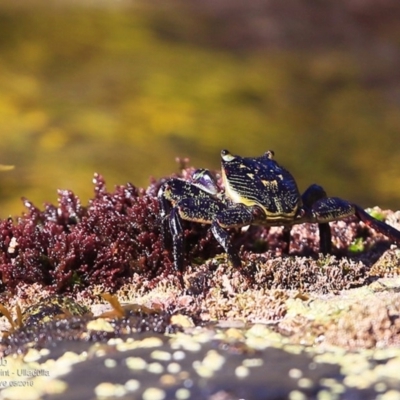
(173, 368)
(213, 360)
(99, 324)
(390, 395)
(297, 395)
(160, 355)
(136, 363)
(182, 320)
(110, 363)
(168, 380)
(295, 373)
(380, 387)
(151, 342)
(155, 368)
(32, 355)
(154, 394)
(18, 393)
(44, 352)
(182, 394)
(107, 389)
(305, 383)
(253, 362)
(132, 385)
(53, 386)
(241, 371)
(178, 355)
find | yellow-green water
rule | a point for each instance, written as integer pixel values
(102, 89)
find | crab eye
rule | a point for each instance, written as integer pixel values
(203, 179)
(226, 156)
(269, 154)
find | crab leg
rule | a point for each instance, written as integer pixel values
(165, 209)
(325, 238)
(325, 210)
(236, 216)
(311, 197)
(223, 239)
(169, 195)
(197, 210)
(177, 239)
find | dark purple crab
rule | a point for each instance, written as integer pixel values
(258, 191)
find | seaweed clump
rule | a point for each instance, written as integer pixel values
(70, 246)
(114, 240)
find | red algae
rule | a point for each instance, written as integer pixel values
(68, 245)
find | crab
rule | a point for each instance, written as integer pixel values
(258, 191)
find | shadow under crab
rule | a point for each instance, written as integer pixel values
(258, 191)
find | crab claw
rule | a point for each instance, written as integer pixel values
(330, 209)
(379, 226)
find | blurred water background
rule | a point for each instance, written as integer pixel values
(124, 87)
